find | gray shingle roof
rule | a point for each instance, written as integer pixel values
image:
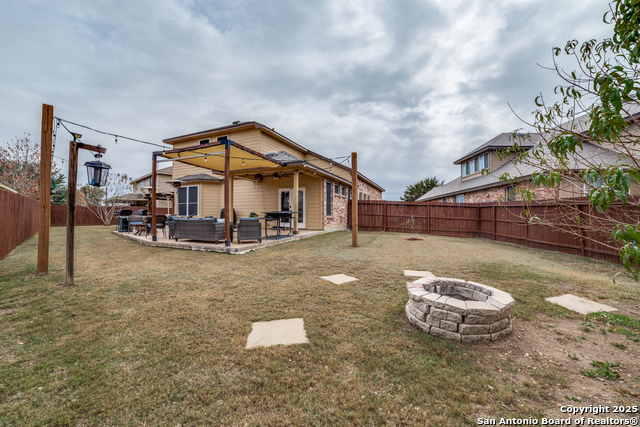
(200, 177)
(502, 141)
(590, 154)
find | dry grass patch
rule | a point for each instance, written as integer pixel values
(156, 336)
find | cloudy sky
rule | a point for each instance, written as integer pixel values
(410, 85)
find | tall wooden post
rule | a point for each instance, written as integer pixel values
(295, 191)
(354, 203)
(227, 187)
(44, 213)
(154, 232)
(72, 176)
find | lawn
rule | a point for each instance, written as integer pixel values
(156, 336)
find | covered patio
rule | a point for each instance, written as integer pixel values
(233, 161)
(233, 248)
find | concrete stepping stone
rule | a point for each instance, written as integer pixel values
(339, 279)
(579, 305)
(277, 332)
(415, 273)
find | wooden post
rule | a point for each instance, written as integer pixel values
(154, 232)
(295, 201)
(72, 176)
(227, 215)
(494, 222)
(384, 218)
(44, 213)
(428, 219)
(479, 225)
(354, 198)
(583, 251)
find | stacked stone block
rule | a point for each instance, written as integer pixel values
(459, 310)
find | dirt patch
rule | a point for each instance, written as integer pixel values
(547, 358)
(413, 239)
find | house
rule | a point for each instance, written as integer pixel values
(482, 167)
(141, 186)
(266, 167)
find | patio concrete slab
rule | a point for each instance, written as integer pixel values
(579, 305)
(277, 332)
(416, 273)
(339, 279)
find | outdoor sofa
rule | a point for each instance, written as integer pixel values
(201, 229)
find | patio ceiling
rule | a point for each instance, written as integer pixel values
(212, 156)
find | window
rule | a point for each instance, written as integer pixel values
(359, 196)
(188, 201)
(484, 161)
(587, 187)
(329, 199)
(465, 169)
(368, 197)
(222, 138)
(344, 190)
(475, 165)
(446, 199)
(349, 194)
(337, 189)
(204, 141)
(459, 198)
(511, 193)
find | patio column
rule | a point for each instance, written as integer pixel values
(154, 236)
(354, 200)
(295, 201)
(227, 199)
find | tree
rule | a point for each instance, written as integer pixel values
(102, 201)
(20, 165)
(607, 71)
(59, 196)
(414, 191)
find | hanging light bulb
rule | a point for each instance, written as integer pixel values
(205, 158)
(116, 139)
(242, 162)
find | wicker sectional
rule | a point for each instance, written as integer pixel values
(204, 230)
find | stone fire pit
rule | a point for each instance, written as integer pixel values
(459, 310)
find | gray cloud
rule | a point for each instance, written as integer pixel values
(410, 85)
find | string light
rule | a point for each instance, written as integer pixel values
(242, 162)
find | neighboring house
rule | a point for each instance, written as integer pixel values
(142, 189)
(475, 186)
(324, 186)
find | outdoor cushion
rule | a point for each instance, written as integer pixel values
(251, 219)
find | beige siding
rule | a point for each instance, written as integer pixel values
(211, 200)
(495, 162)
(249, 196)
(336, 170)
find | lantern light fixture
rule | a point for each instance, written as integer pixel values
(97, 171)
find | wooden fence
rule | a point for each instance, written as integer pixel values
(19, 219)
(497, 221)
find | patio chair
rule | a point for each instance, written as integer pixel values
(234, 215)
(249, 229)
(161, 222)
(137, 224)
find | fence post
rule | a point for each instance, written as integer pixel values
(428, 220)
(478, 224)
(384, 217)
(582, 243)
(494, 222)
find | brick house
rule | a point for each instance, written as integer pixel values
(324, 186)
(481, 168)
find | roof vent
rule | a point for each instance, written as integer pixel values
(236, 122)
(271, 153)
